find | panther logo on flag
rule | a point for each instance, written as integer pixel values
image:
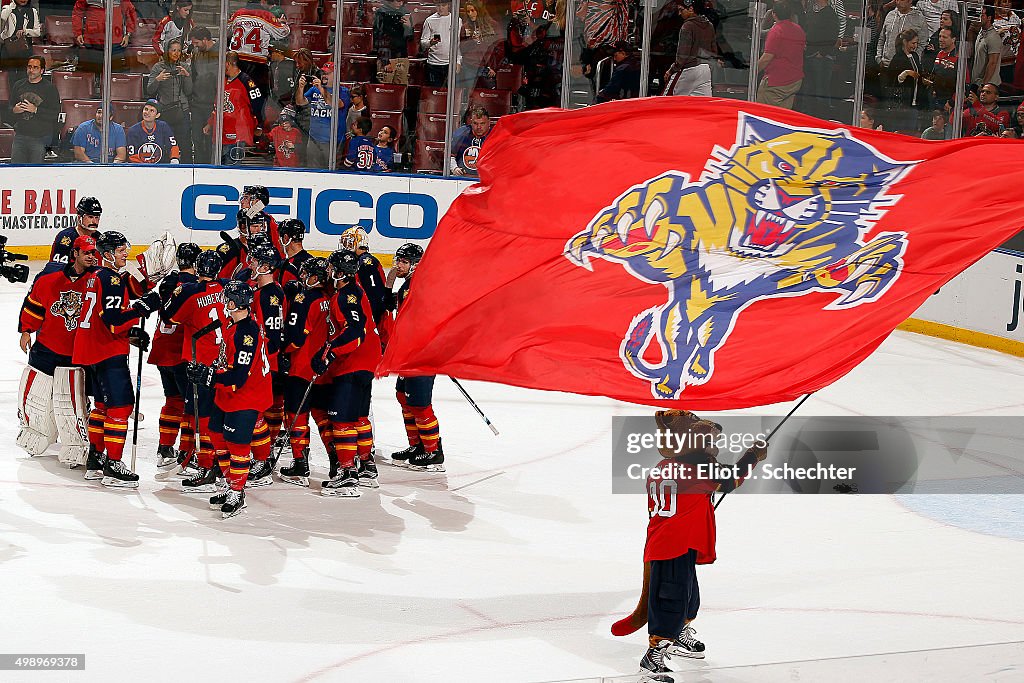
(783, 212)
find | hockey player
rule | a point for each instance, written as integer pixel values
(194, 306)
(293, 231)
(371, 272)
(268, 312)
(251, 219)
(252, 29)
(166, 356)
(106, 327)
(51, 311)
(350, 356)
(242, 386)
(414, 393)
(89, 212)
(680, 536)
(306, 332)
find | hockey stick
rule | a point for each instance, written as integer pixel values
(195, 387)
(279, 446)
(138, 400)
(771, 433)
(475, 406)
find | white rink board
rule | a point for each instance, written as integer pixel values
(195, 203)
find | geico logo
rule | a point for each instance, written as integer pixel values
(402, 215)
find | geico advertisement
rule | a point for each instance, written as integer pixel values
(198, 203)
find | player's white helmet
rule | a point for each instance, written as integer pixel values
(353, 239)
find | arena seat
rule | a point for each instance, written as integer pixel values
(430, 126)
(73, 85)
(428, 156)
(59, 30)
(386, 118)
(386, 96)
(126, 86)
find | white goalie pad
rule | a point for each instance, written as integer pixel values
(35, 412)
(71, 413)
(158, 260)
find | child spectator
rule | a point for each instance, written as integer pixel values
(358, 108)
(938, 129)
(384, 151)
(361, 155)
(287, 140)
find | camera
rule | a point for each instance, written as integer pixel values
(13, 272)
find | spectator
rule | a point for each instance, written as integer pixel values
(19, 25)
(318, 93)
(304, 65)
(360, 156)
(625, 81)
(943, 73)
(868, 120)
(151, 141)
(1007, 25)
(287, 140)
(384, 150)
(87, 141)
(1017, 129)
(939, 130)
(239, 126)
(252, 29)
(88, 21)
(177, 24)
(205, 74)
(988, 50)
(821, 26)
(690, 74)
(36, 107)
(948, 19)
(392, 29)
(436, 40)
(897, 21)
(932, 11)
(908, 87)
(467, 141)
(782, 60)
(984, 116)
(283, 76)
(171, 83)
(358, 108)
(475, 40)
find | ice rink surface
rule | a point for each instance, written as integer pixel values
(513, 564)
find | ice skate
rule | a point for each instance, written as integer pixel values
(166, 457)
(117, 475)
(686, 645)
(260, 474)
(94, 465)
(368, 473)
(218, 500)
(428, 462)
(188, 465)
(346, 484)
(401, 458)
(652, 666)
(204, 481)
(297, 473)
(233, 504)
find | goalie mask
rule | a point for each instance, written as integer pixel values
(354, 239)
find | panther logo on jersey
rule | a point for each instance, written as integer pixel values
(784, 212)
(68, 306)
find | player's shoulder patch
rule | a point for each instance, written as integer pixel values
(177, 290)
(247, 340)
(224, 248)
(352, 299)
(65, 240)
(300, 297)
(274, 300)
(366, 260)
(115, 280)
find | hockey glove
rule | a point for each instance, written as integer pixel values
(166, 289)
(284, 363)
(322, 361)
(139, 338)
(147, 304)
(200, 374)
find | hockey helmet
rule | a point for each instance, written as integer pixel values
(262, 252)
(258, 197)
(89, 206)
(353, 239)
(110, 241)
(344, 262)
(291, 229)
(410, 252)
(186, 254)
(208, 264)
(314, 266)
(239, 293)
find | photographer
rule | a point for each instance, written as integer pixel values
(35, 106)
(319, 94)
(437, 41)
(170, 82)
(984, 116)
(392, 29)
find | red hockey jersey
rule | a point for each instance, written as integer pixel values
(682, 517)
(356, 341)
(105, 318)
(239, 121)
(52, 309)
(243, 380)
(308, 329)
(251, 31)
(194, 306)
(168, 339)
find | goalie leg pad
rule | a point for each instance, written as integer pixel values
(35, 413)
(71, 412)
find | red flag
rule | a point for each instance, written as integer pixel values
(695, 252)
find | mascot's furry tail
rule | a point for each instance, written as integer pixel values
(638, 619)
(639, 332)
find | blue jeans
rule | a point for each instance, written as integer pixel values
(28, 149)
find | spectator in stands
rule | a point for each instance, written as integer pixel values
(151, 141)
(177, 24)
(252, 29)
(932, 11)
(239, 127)
(909, 87)
(948, 19)
(171, 84)
(943, 72)
(1017, 129)
(304, 66)
(360, 155)
(282, 75)
(358, 109)
(36, 105)
(782, 60)
(437, 41)
(287, 140)
(319, 95)
(87, 141)
(625, 81)
(690, 74)
(88, 21)
(821, 26)
(984, 116)
(384, 150)
(467, 141)
(939, 130)
(392, 29)
(988, 50)
(1007, 25)
(205, 74)
(867, 119)
(19, 26)
(475, 41)
(896, 21)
